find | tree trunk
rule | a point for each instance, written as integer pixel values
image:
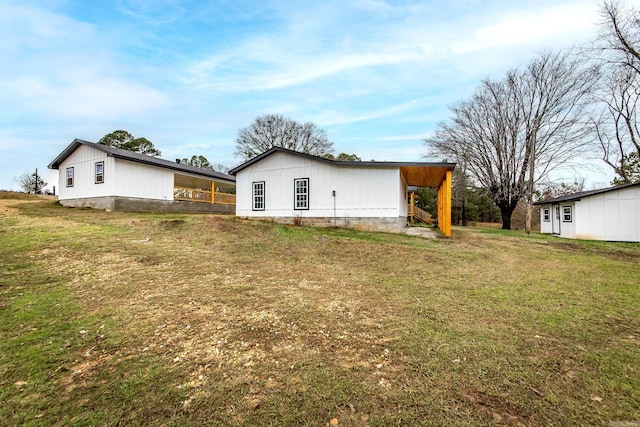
(506, 210)
(464, 212)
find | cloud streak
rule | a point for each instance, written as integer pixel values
(187, 75)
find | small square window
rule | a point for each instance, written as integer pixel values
(546, 215)
(566, 214)
(70, 177)
(258, 196)
(99, 172)
(301, 193)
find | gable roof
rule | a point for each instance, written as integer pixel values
(582, 194)
(119, 153)
(421, 174)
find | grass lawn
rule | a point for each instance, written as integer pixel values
(113, 318)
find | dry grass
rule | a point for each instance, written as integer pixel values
(189, 319)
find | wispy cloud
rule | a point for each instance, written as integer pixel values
(188, 74)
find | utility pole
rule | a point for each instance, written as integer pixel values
(35, 185)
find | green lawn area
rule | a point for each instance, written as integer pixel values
(111, 318)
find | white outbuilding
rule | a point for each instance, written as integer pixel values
(611, 214)
(98, 176)
(293, 187)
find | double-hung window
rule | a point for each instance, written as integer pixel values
(70, 177)
(566, 214)
(258, 196)
(301, 193)
(99, 172)
(546, 215)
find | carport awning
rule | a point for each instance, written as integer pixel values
(425, 175)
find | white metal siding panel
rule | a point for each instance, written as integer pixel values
(132, 179)
(613, 216)
(568, 229)
(360, 192)
(404, 203)
(83, 161)
(545, 226)
(622, 210)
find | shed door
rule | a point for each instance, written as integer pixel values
(555, 220)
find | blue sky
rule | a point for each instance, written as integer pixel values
(376, 75)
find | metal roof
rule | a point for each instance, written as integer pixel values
(421, 174)
(119, 153)
(582, 194)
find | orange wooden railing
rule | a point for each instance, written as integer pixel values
(205, 196)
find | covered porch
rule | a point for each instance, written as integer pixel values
(435, 176)
(194, 189)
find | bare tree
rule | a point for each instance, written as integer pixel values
(274, 130)
(553, 93)
(514, 132)
(619, 38)
(31, 183)
(616, 122)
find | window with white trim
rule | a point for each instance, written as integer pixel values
(70, 177)
(258, 196)
(566, 214)
(301, 193)
(546, 215)
(99, 173)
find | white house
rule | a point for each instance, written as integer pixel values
(99, 176)
(607, 214)
(292, 187)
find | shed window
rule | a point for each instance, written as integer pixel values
(566, 214)
(258, 196)
(546, 215)
(301, 193)
(70, 177)
(99, 172)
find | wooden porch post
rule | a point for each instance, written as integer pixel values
(444, 205)
(412, 210)
(445, 221)
(213, 192)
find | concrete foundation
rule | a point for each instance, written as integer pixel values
(130, 204)
(389, 225)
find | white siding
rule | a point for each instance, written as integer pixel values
(83, 162)
(568, 229)
(546, 226)
(121, 177)
(360, 192)
(404, 202)
(614, 216)
(143, 181)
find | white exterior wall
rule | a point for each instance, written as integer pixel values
(404, 203)
(360, 192)
(613, 216)
(568, 229)
(121, 177)
(546, 226)
(133, 179)
(83, 162)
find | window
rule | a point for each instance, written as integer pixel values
(99, 172)
(69, 177)
(566, 214)
(301, 193)
(258, 196)
(546, 215)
